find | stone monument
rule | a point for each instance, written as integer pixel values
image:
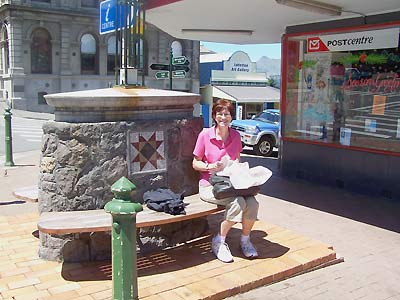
(98, 136)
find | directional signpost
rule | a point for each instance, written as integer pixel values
(180, 68)
(177, 68)
(159, 67)
(162, 75)
(179, 60)
(179, 74)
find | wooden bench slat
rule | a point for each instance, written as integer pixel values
(99, 220)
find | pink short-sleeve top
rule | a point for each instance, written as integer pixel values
(211, 150)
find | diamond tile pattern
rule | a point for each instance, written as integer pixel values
(146, 151)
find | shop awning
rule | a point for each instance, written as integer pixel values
(217, 93)
(249, 22)
(247, 94)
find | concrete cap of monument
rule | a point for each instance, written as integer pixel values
(121, 104)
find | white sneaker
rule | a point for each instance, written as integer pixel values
(248, 249)
(221, 250)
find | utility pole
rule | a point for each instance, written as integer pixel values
(170, 68)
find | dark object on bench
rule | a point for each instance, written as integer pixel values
(165, 200)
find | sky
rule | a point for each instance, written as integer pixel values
(254, 51)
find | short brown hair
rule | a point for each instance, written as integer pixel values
(221, 104)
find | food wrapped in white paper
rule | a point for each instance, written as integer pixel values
(242, 176)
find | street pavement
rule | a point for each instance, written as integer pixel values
(24, 173)
(26, 129)
(364, 230)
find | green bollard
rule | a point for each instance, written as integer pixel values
(8, 138)
(124, 258)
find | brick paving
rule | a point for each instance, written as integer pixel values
(187, 272)
(364, 230)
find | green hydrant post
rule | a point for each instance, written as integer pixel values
(124, 258)
(8, 138)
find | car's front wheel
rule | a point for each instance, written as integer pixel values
(264, 147)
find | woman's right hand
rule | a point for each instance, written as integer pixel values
(215, 167)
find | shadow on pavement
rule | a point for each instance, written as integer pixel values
(24, 165)
(380, 212)
(194, 253)
(191, 254)
(12, 202)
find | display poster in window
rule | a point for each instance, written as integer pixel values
(345, 136)
(370, 125)
(378, 105)
(398, 129)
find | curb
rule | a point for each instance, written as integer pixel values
(29, 193)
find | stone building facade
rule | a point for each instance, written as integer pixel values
(52, 46)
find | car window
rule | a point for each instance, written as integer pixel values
(271, 117)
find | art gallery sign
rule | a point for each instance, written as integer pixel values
(239, 62)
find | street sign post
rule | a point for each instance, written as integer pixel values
(179, 74)
(165, 67)
(162, 75)
(177, 68)
(159, 67)
(180, 68)
(179, 60)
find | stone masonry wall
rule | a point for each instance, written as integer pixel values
(80, 162)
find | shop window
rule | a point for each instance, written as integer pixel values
(89, 54)
(41, 52)
(344, 89)
(270, 105)
(176, 48)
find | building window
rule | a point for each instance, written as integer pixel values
(111, 50)
(89, 56)
(5, 53)
(90, 3)
(41, 100)
(176, 48)
(41, 1)
(41, 52)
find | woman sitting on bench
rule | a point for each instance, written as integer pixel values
(212, 144)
